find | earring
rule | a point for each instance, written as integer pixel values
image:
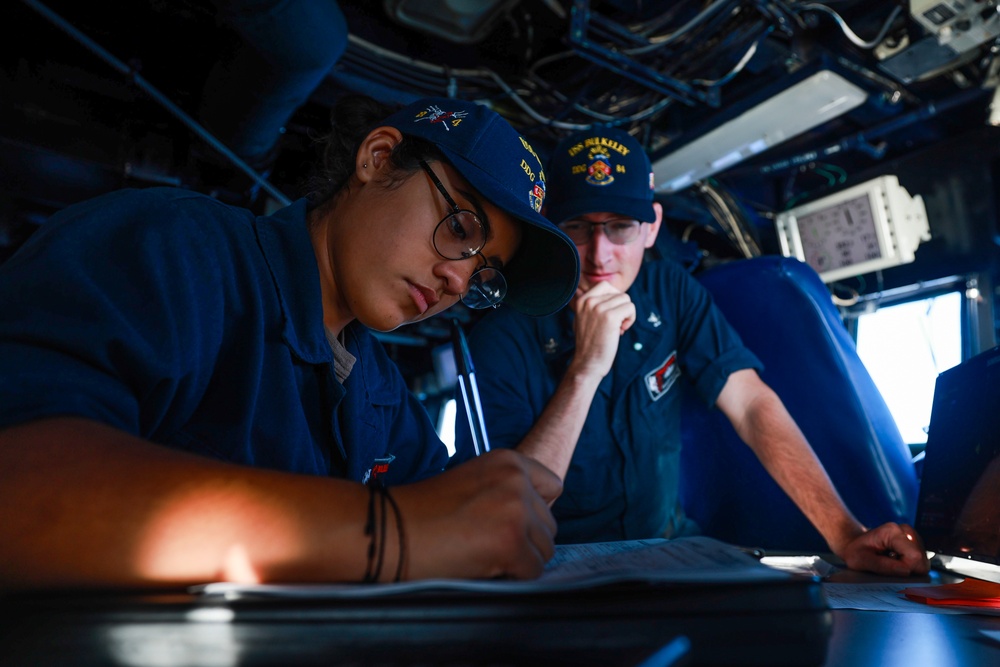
(364, 166)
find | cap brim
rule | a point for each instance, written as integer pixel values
(543, 275)
(638, 209)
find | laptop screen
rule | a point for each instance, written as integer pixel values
(958, 510)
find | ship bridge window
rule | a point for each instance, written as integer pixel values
(904, 347)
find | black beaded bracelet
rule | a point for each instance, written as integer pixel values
(371, 574)
(380, 490)
(375, 529)
(400, 532)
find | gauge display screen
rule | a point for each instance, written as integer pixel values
(840, 235)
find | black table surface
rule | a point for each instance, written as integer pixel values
(909, 639)
(176, 629)
(902, 639)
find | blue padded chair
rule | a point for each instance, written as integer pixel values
(784, 313)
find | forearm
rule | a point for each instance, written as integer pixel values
(85, 504)
(552, 440)
(603, 314)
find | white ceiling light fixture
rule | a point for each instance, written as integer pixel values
(813, 101)
(460, 21)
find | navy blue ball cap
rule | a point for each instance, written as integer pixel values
(602, 170)
(501, 165)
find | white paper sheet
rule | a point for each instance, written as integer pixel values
(887, 597)
(693, 559)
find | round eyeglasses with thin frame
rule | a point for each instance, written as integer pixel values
(460, 235)
(619, 231)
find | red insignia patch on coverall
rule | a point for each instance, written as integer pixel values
(659, 381)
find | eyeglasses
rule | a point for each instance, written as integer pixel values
(461, 235)
(619, 232)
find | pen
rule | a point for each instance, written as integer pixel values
(470, 390)
(756, 552)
